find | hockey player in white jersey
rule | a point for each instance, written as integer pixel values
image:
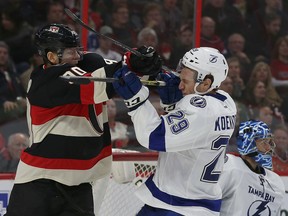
(191, 139)
(248, 188)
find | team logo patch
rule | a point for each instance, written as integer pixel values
(259, 208)
(198, 101)
(54, 29)
(213, 58)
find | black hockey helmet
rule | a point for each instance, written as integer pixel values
(55, 38)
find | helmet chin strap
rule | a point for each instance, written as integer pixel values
(201, 93)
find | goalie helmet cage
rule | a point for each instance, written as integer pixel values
(129, 170)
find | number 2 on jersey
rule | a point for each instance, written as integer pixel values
(209, 173)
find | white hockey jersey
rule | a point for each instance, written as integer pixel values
(248, 193)
(191, 141)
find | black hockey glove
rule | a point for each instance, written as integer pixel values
(149, 63)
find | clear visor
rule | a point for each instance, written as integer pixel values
(180, 66)
(266, 145)
(71, 52)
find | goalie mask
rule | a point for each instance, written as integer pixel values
(56, 38)
(265, 160)
(206, 61)
(254, 137)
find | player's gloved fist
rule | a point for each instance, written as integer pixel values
(130, 88)
(169, 94)
(149, 63)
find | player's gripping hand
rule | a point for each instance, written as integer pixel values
(130, 88)
(169, 94)
(149, 63)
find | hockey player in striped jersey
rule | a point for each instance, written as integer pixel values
(248, 188)
(191, 139)
(70, 144)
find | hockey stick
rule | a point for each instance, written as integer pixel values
(85, 80)
(79, 21)
(127, 48)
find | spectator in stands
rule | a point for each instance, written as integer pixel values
(262, 41)
(17, 34)
(172, 17)
(3, 150)
(153, 18)
(118, 130)
(123, 30)
(234, 73)
(17, 142)
(235, 47)
(55, 12)
(265, 114)
(36, 60)
(183, 44)
(147, 37)
(12, 93)
(228, 18)
(279, 66)
(227, 85)
(280, 158)
(208, 36)
(269, 7)
(242, 113)
(261, 71)
(105, 45)
(247, 8)
(255, 96)
(188, 9)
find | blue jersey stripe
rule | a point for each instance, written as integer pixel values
(218, 96)
(157, 138)
(213, 205)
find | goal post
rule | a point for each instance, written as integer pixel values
(129, 170)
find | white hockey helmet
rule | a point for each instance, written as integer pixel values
(206, 61)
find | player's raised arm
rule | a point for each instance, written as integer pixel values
(191, 138)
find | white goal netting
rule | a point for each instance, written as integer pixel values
(129, 170)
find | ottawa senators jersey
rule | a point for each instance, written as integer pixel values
(68, 124)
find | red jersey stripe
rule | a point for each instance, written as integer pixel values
(69, 164)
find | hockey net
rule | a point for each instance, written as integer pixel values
(129, 170)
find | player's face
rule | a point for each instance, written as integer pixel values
(265, 145)
(71, 56)
(187, 81)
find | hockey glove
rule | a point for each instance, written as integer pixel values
(169, 94)
(130, 88)
(149, 63)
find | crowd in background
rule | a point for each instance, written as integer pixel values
(252, 34)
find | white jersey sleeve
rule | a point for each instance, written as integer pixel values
(195, 121)
(248, 193)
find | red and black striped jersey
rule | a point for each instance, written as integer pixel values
(69, 135)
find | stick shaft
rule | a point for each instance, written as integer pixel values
(125, 47)
(86, 80)
(79, 21)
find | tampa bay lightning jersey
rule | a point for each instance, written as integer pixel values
(248, 193)
(191, 141)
